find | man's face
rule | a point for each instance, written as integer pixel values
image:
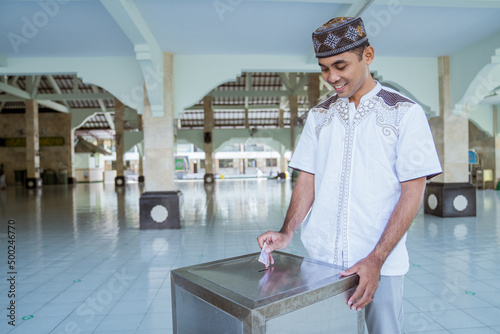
(347, 74)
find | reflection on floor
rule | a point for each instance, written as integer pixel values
(83, 266)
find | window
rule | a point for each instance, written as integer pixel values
(271, 162)
(225, 163)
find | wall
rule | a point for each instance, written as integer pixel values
(56, 158)
(482, 116)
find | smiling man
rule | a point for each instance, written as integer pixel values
(364, 156)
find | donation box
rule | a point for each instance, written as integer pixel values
(236, 295)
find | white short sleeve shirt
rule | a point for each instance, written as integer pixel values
(359, 165)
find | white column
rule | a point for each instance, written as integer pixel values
(496, 128)
(208, 134)
(119, 135)
(451, 132)
(32, 140)
(159, 136)
(293, 119)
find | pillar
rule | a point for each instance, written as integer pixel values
(247, 123)
(283, 165)
(141, 162)
(450, 194)
(120, 145)
(33, 179)
(161, 205)
(313, 92)
(281, 119)
(496, 128)
(71, 160)
(216, 166)
(208, 140)
(242, 166)
(140, 147)
(293, 119)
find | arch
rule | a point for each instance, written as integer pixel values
(197, 75)
(485, 81)
(81, 117)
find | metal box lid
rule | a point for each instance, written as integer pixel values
(243, 280)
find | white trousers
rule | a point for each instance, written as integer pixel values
(384, 315)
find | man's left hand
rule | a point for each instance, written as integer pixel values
(368, 270)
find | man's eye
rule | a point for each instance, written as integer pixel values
(341, 68)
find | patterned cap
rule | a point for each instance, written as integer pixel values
(338, 35)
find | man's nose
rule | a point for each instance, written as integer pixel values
(333, 77)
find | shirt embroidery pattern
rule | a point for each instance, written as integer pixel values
(363, 111)
(342, 111)
(391, 108)
(343, 202)
(323, 114)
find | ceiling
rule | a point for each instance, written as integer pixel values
(422, 28)
(100, 28)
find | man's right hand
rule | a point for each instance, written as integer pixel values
(274, 240)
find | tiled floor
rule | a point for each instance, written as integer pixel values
(83, 266)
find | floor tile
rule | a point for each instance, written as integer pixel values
(419, 322)
(480, 330)
(454, 319)
(489, 316)
(121, 322)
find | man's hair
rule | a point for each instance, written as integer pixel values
(360, 49)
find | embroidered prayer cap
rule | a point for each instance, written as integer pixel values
(338, 35)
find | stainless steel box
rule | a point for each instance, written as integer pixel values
(296, 295)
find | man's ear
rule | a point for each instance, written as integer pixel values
(369, 55)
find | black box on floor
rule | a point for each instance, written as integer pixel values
(34, 182)
(161, 210)
(450, 199)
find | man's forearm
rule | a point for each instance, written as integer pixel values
(300, 204)
(401, 218)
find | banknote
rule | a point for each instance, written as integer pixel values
(264, 257)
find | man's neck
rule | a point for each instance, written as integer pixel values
(368, 85)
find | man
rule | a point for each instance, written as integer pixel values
(363, 156)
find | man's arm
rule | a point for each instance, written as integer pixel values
(369, 268)
(302, 199)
